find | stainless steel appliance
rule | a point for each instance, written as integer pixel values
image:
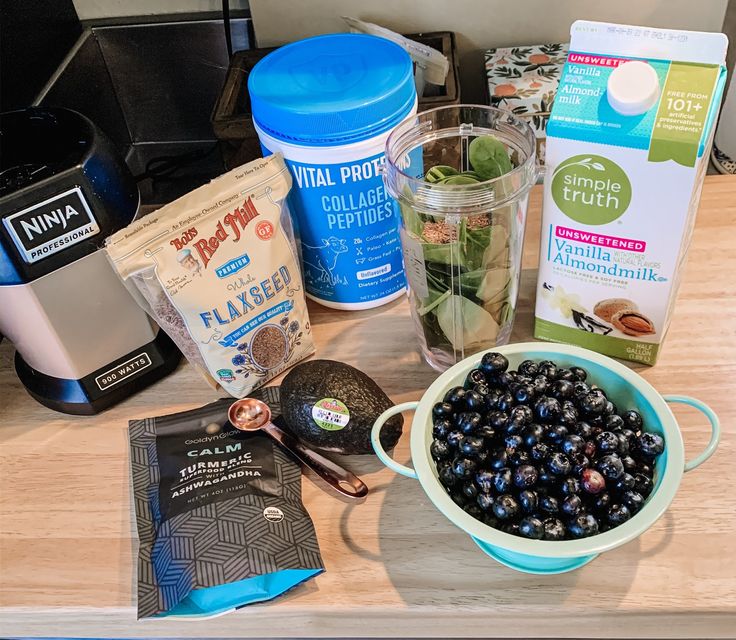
(82, 343)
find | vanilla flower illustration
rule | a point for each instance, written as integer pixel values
(564, 302)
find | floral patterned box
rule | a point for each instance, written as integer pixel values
(524, 80)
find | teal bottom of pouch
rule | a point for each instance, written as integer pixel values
(213, 601)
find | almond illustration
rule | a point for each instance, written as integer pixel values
(606, 309)
(632, 323)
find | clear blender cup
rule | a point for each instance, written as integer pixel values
(462, 243)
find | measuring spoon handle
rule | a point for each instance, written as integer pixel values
(332, 473)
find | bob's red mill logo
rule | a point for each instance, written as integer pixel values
(232, 225)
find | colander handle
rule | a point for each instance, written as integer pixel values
(715, 426)
(376, 440)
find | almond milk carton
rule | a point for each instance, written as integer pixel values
(627, 148)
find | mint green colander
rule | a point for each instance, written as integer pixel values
(624, 387)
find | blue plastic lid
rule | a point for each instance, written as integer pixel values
(332, 89)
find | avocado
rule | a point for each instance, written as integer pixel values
(332, 406)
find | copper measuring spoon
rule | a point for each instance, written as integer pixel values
(249, 414)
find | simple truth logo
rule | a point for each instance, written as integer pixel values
(591, 189)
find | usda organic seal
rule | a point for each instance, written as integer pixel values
(273, 514)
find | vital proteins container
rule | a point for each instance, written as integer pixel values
(328, 104)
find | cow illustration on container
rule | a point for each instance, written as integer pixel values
(323, 258)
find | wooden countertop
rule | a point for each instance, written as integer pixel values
(395, 566)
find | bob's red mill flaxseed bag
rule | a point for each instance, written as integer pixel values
(218, 271)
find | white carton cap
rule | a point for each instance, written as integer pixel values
(633, 88)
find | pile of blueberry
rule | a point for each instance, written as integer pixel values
(541, 453)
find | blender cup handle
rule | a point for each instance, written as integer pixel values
(714, 426)
(376, 441)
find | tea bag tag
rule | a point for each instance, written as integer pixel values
(633, 88)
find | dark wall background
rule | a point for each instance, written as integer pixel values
(35, 35)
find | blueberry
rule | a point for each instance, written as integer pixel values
(492, 399)
(485, 501)
(498, 460)
(476, 376)
(580, 389)
(446, 475)
(505, 379)
(497, 419)
(580, 463)
(525, 476)
(633, 500)
(583, 429)
(493, 363)
(463, 468)
(590, 449)
(456, 398)
(471, 446)
(606, 442)
(541, 385)
(440, 450)
(610, 409)
(539, 452)
(441, 428)
(593, 403)
(570, 487)
(484, 481)
(565, 374)
(482, 389)
(624, 483)
(546, 478)
(489, 519)
(644, 468)
(549, 504)
(623, 444)
(572, 445)
(511, 528)
(521, 415)
(554, 529)
(651, 444)
(531, 527)
(592, 481)
(519, 457)
(568, 418)
(505, 402)
(474, 401)
(442, 410)
(583, 525)
(633, 420)
(579, 373)
(643, 484)
(556, 433)
(602, 501)
(512, 443)
(572, 505)
(487, 432)
(528, 368)
(529, 500)
(618, 514)
(454, 438)
(613, 423)
(547, 409)
(482, 457)
(548, 369)
(559, 464)
(531, 434)
(470, 490)
(524, 393)
(468, 421)
(610, 466)
(629, 463)
(502, 480)
(561, 389)
(505, 507)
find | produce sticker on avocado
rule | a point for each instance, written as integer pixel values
(330, 414)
